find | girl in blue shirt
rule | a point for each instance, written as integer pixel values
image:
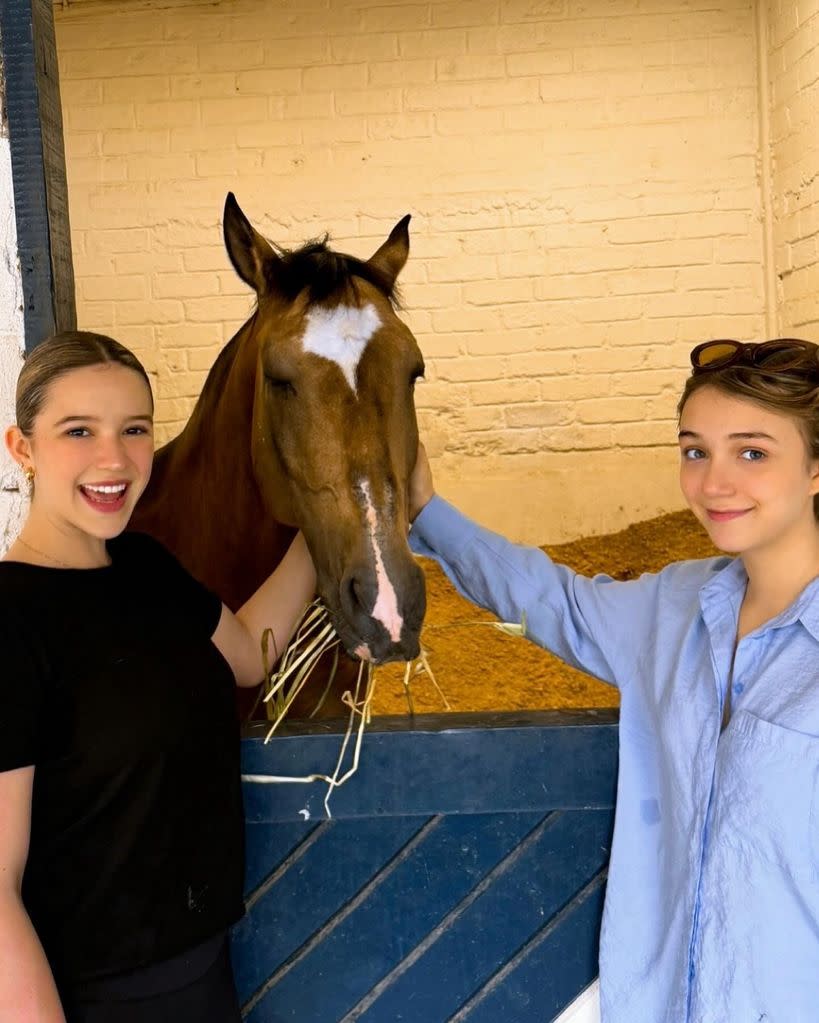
(712, 908)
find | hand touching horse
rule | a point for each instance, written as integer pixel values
(307, 421)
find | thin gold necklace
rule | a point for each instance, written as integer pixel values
(48, 557)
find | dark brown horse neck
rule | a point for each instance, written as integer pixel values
(210, 467)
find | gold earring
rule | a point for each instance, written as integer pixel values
(29, 474)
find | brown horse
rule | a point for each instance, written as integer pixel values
(306, 420)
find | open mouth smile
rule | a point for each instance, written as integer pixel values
(105, 497)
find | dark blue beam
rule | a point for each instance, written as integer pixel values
(33, 121)
(453, 763)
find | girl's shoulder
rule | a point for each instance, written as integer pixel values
(25, 611)
(28, 587)
(694, 573)
(697, 570)
(20, 580)
(685, 579)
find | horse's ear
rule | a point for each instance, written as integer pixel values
(392, 255)
(249, 252)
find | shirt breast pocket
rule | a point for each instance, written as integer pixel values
(768, 796)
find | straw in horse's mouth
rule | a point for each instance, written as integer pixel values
(314, 636)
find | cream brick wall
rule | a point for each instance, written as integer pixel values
(793, 75)
(583, 179)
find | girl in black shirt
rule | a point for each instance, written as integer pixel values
(121, 830)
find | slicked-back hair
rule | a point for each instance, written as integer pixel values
(60, 354)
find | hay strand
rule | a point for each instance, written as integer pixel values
(314, 636)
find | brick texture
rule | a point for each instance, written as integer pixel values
(583, 184)
(793, 68)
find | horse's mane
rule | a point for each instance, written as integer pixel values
(315, 267)
(325, 273)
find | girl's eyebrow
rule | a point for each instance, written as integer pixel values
(141, 416)
(745, 435)
(753, 435)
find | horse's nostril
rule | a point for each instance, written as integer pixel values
(358, 588)
(354, 595)
(383, 615)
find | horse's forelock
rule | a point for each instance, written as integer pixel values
(325, 274)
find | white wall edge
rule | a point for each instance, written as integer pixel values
(13, 503)
(585, 1008)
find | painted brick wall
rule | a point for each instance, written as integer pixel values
(13, 500)
(793, 39)
(583, 181)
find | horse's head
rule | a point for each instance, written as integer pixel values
(334, 431)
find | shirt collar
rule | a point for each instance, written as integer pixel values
(721, 596)
(729, 579)
(805, 608)
(727, 586)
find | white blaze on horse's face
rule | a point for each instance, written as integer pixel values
(341, 335)
(385, 609)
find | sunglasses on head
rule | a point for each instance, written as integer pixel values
(783, 353)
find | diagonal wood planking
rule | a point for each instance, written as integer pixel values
(461, 878)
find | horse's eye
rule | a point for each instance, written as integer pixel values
(284, 386)
(417, 374)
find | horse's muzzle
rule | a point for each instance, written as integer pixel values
(380, 613)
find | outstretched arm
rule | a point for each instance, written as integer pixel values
(276, 605)
(585, 622)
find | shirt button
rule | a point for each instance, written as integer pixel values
(738, 688)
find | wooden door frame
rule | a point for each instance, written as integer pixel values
(33, 119)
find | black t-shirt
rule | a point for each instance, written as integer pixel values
(112, 688)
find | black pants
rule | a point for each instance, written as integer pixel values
(210, 998)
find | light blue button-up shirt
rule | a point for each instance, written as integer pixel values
(712, 908)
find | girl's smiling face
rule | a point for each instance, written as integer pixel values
(91, 448)
(745, 471)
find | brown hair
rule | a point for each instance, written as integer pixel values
(792, 392)
(60, 354)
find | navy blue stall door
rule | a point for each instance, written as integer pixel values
(472, 891)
